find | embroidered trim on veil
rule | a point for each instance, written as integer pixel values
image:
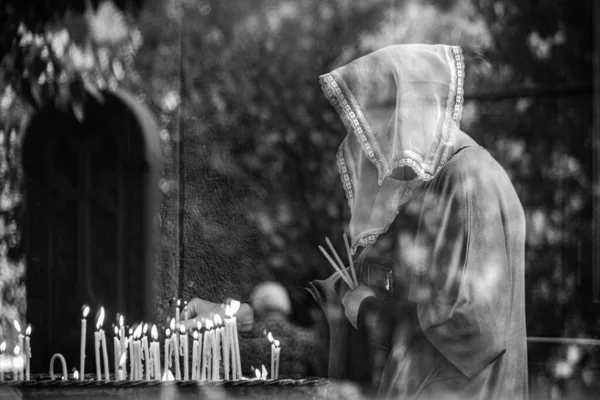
(343, 101)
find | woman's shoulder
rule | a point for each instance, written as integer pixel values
(471, 170)
(474, 163)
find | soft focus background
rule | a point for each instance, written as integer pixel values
(250, 184)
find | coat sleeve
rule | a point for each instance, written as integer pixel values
(460, 279)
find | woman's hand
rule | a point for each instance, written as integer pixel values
(198, 309)
(353, 298)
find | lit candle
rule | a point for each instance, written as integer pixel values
(18, 328)
(235, 306)
(104, 350)
(206, 352)
(124, 353)
(199, 356)
(229, 347)
(175, 340)
(146, 355)
(86, 310)
(229, 365)
(132, 364)
(117, 352)
(195, 356)
(137, 334)
(2, 350)
(186, 313)
(123, 344)
(27, 352)
(167, 350)
(155, 350)
(185, 349)
(16, 352)
(76, 375)
(97, 339)
(270, 338)
(217, 348)
(277, 351)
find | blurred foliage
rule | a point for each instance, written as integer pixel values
(239, 81)
(57, 52)
(75, 57)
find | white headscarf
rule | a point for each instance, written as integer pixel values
(401, 105)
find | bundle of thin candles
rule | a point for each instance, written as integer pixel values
(352, 281)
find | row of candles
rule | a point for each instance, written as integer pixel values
(19, 364)
(215, 344)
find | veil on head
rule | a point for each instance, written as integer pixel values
(401, 106)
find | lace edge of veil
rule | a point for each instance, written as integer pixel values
(353, 119)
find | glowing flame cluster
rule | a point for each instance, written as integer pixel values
(261, 373)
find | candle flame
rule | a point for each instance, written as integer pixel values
(199, 325)
(195, 335)
(235, 306)
(172, 324)
(182, 329)
(145, 327)
(168, 332)
(168, 376)
(178, 302)
(227, 311)
(28, 330)
(100, 318)
(276, 343)
(116, 331)
(17, 325)
(264, 372)
(270, 337)
(257, 373)
(17, 350)
(138, 332)
(121, 321)
(218, 320)
(76, 375)
(154, 332)
(3, 346)
(130, 331)
(208, 324)
(86, 311)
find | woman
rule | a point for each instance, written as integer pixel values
(438, 235)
